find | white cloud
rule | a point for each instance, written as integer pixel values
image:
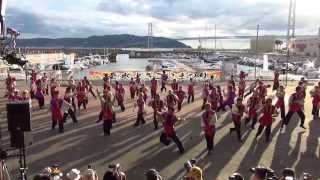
(172, 18)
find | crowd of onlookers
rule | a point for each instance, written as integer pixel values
(193, 172)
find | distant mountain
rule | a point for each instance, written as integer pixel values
(107, 41)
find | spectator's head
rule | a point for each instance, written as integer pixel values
(152, 174)
(89, 174)
(261, 173)
(288, 173)
(236, 176)
(74, 174)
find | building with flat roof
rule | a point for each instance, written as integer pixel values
(264, 44)
(305, 46)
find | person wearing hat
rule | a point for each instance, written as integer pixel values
(237, 112)
(153, 174)
(74, 174)
(193, 172)
(209, 118)
(266, 120)
(56, 111)
(261, 173)
(296, 103)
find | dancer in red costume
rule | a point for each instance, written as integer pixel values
(174, 86)
(171, 100)
(213, 99)
(266, 119)
(205, 94)
(280, 101)
(157, 105)
(132, 88)
(181, 94)
(154, 87)
(238, 110)
(315, 94)
(191, 91)
(141, 110)
(253, 105)
(209, 119)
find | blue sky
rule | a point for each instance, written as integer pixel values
(171, 18)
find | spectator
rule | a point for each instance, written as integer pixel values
(193, 172)
(152, 174)
(114, 173)
(236, 176)
(74, 174)
(90, 174)
(261, 173)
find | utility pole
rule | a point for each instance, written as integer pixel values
(215, 38)
(150, 34)
(255, 63)
(290, 32)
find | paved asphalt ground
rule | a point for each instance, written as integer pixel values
(138, 149)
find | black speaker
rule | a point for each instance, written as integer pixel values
(18, 115)
(19, 139)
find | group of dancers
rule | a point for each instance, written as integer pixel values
(258, 107)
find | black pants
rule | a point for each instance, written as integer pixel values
(120, 103)
(177, 141)
(153, 93)
(289, 115)
(132, 94)
(40, 101)
(254, 121)
(72, 115)
(283, 112)
(180, 105)
(140, 118)
(315, 111)
(54, 124)
(248, 93)
(223, 106)
(83, 103)
(209, 140)
(237, 128)
(190, 98)
(92, 93)
(107, 126)
(267, 131)
(155, 121)
(163, 87)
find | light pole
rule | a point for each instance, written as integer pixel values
(255, 62)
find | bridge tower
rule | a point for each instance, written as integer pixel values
(150, 35)
(291, 31)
